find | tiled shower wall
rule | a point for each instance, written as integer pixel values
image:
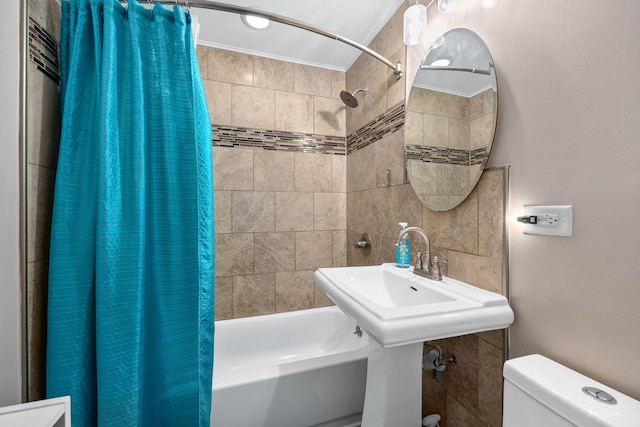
(43, 136)
(279, 180)
(470, 236)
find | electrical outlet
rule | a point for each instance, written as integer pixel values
(551, 220)
(548, 220)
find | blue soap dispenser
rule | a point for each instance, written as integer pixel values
(403, 251)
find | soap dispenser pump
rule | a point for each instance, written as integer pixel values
(403, 251)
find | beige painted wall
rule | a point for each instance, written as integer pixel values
(568, 123)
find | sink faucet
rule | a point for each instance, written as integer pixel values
(430, 269)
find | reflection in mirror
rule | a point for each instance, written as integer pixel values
(450, 119)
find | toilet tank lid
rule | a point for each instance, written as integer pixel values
(560, 389)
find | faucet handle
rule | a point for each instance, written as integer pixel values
(419, 262)
(439, 266)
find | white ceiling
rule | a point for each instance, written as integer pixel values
(358, 20)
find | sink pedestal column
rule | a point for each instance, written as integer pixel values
(393, 396)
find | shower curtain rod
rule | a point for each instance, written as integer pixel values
(241, 10)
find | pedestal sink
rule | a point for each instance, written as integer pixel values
(399, 311)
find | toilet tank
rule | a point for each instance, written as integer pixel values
(540, 392)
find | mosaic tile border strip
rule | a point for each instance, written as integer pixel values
(389, 122)
(234, 136)
(43, 51)
(449, 156)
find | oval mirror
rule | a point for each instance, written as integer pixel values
(450, 119)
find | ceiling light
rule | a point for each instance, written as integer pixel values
(255, 22)
(415, 24)
(440, 63)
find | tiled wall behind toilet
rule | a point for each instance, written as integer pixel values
(279, 180)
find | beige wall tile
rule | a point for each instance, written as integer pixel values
(219, 100)
(458, 415)
(483, 272)
(355, 211)
(40, 191)
(338, 83)
(453, 106)
(494, 338)
(414, 129)
(482, 104)
(360, 71)
(202, 53)
(490, 384)
(330, 211)
(481, 132)
(230, 67)
(294, 291)
(456, 229)
(329, 116)
(404, 206)
(389, 38)
(459, 134)
(222, 214)
(234, 254)
(389, 154)
(376, 210)
(396, 86)
(254, 295)
(273, 74)
(313, 80)
(274, 252)
(253, 211)
(294, 112)
(37, 273)
(436, 131)
(374, 101)
(252, 107)
(232, 169)
(423, 101)
(338, 174)
(434, 395)
(294, 211)
(453, 179)
(423, 176)
(314, 249)
(361, 169)
(43, 126)
(490, 191)
(273, 170)
(224, 298)
(462, 378)
(312, 172)
(340, 248)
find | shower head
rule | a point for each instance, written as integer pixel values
(349, 98)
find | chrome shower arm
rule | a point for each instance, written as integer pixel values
(223, 7)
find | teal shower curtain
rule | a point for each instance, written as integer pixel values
(130, 328)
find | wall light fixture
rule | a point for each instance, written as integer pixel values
(447, 6)
(415, 24)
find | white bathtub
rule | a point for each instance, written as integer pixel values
(296, 369)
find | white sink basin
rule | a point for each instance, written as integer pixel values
(399, 310)
(397, 307)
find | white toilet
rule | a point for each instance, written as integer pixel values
(540, 392)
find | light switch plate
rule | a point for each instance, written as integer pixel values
(565, 220)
